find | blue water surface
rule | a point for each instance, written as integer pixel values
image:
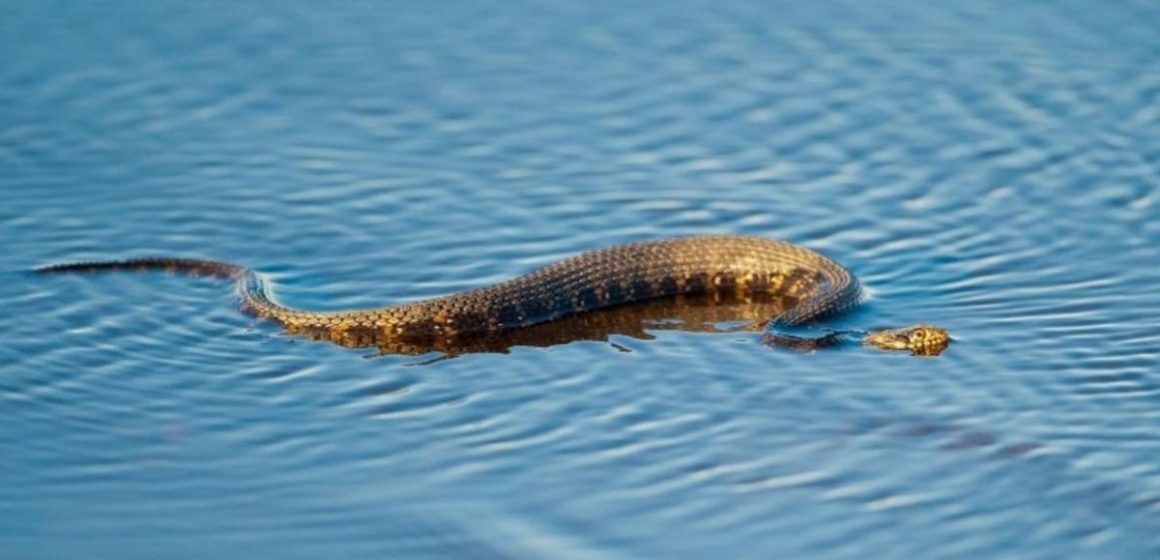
(992, 167)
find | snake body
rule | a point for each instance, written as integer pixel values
(716, 265)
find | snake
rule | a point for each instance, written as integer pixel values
(812, 286)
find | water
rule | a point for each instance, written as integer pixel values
(987, 167)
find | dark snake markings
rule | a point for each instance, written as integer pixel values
(809, 285)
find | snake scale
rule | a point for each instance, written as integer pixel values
(716, 265)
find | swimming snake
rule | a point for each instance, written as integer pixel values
(809, 286)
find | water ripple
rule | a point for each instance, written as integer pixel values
(997, 175)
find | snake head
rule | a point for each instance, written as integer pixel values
(920, 340)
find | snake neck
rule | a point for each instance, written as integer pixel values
(919, 340)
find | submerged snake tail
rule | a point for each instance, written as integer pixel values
(252, 288)
(191, 267)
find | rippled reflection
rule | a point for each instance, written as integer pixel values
(721, 313)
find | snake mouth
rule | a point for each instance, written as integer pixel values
(919, 340)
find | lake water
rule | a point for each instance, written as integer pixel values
(986, 166)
